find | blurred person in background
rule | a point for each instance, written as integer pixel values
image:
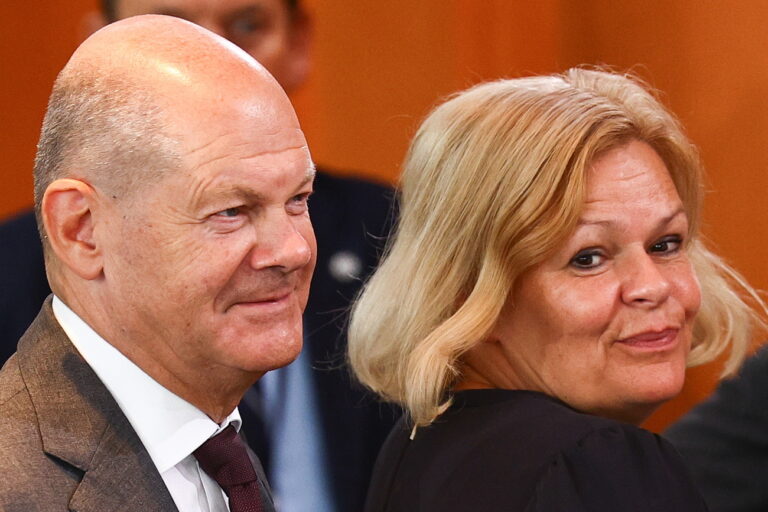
(724, 440)
(316, 432)
(543, 293)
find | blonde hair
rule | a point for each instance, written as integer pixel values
(494, 180)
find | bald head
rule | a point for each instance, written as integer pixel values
(155, 50)
(129, 95)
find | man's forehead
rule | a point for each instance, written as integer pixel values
(264, 182)
(247, 113)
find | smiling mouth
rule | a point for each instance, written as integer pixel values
(272, 301)
(652, 340)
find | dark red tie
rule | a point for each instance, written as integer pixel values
(225, 459)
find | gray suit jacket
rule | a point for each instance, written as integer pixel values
(64, 442)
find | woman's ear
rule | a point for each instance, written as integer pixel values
(67, 214)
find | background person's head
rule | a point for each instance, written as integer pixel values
(494, 186)
(276, 33)
(173, 204)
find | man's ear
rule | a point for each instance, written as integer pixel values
(298, 66)
(67, 212)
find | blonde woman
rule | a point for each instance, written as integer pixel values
(544, 292)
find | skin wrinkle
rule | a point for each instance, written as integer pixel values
(586, 222)
(206, 193)
(243, 158)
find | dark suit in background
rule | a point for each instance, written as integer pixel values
(351, 217)
(23, 285)
(724, 441)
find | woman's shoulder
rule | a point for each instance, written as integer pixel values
(524, 449)
(616, 467)
(579, 461)
(589, 463)
(543, 420)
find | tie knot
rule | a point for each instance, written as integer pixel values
(225, 459)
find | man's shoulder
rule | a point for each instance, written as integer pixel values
(31, 480)
(18, 426)
(20, 437)
(11, 384)
(60, 426)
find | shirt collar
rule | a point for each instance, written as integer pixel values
(169, 427)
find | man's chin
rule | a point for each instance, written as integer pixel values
(263, 357)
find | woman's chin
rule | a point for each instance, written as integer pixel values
(636, 407)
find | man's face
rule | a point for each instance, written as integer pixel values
(210, 267)
(263, 28)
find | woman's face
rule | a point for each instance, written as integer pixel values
(605, 323)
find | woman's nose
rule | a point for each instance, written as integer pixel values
(644, 282)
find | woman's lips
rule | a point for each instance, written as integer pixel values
(652, 340)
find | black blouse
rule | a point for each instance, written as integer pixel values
(522, 451)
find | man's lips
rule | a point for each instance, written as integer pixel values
(652, 339)
(278, 299)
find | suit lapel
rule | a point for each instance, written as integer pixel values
(121, 477)
(81, 424)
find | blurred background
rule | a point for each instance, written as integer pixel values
(380, 66)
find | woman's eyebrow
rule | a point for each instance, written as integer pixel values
(665, 220)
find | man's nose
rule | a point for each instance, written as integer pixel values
(281, 242)
(644, 282)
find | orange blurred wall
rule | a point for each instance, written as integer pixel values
(380, 66)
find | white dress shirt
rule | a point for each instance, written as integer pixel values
(169, 427)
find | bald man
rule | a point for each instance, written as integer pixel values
(179, 250)
(316, 431)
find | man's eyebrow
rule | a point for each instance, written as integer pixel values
(250, 195)
(310, 174)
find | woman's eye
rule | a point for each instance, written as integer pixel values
(587, 259)
(667, 245)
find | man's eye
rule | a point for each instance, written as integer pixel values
(299, 203)
(587, 259)
(229, 212)
(667, 245)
